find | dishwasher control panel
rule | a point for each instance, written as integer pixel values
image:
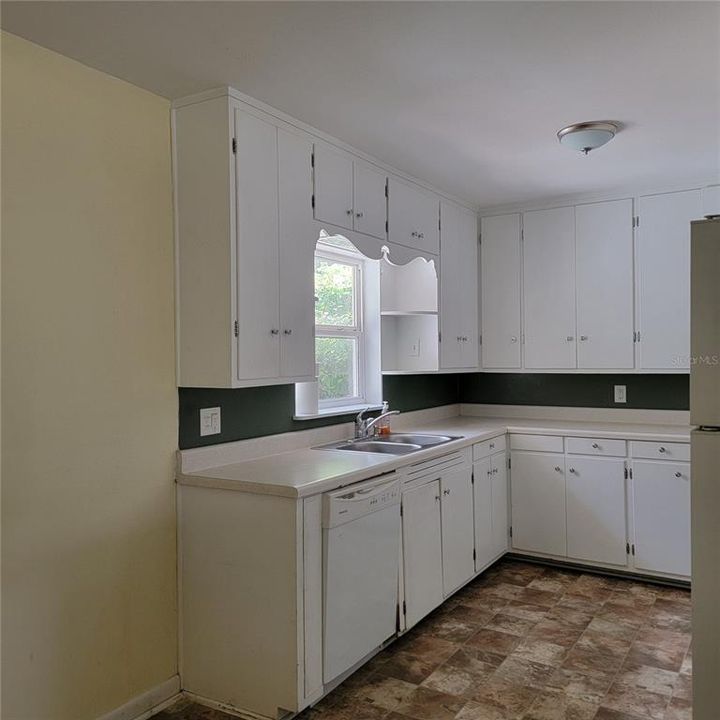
(355, 501)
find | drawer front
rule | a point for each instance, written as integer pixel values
(596, 446)
(660, 451)
(489, 447)
(540, 443)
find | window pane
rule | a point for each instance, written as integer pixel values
(335, 292)
(337, 376)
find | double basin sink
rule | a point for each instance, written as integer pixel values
(392, 444)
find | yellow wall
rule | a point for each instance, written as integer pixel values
(89, 413)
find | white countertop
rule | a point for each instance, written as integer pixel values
(308, 471)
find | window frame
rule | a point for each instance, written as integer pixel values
(356, 332)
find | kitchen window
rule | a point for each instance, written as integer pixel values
(339, 331)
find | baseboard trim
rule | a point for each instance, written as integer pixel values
(149, 703)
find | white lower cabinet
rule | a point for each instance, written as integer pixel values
(538, 502)
(661, 516)
(596, 523)
(490, 501)
(456, 504)
(422, 551)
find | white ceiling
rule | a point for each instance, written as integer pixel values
(467, 96)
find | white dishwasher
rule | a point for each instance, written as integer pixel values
(361, 561)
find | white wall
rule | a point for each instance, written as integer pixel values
(89, 406)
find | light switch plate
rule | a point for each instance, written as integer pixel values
(210, 421)
(620, 393)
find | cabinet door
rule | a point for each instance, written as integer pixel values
(663, 277)
(604, 274)
(538, 502)
(549, 282)
(468, 282)
(458, 540)
(370, 202)
(483, 507)
(661, 516)
(413, 217)
(500, 268)
(297, 249)
(422, 551)
(596, 525)
(500, 515)
(258, 292)
(333, 187)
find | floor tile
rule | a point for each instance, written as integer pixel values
(678, 709)
(427, 704)
(385, 692)
(494, 641)
(510, 624)
(512, 701)
(589, 661)
(654, 679)
(556, 632)
(461, 675)
(541, 651)
(404, 666)
(589, 686)
(605, 643)
(636, 701)
(520, 671)
(608, 714)
(646, 654)
(526, 611)
(553, 705)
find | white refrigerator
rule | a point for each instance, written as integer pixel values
(705, 419)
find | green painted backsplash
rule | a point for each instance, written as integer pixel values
(253, 412)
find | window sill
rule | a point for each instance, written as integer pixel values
(337, 411)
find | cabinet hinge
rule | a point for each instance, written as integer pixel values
(236, 328)
(404, 608)
(472, 478)
(397, 618)
(509, 462)
(632, 548)
(626, 473)
(510, 530)
(630, 473)
(479, 238)
(312, 201)
(312, 159)
(627, 548)
(480, 339)
(401, 510)
(386, 188)
(439, 337)
(474, 554)
(234, 146)
(522, 234)
(636, 221)
(387, 227)
(638, 336)
(634, 336)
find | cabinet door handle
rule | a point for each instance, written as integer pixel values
(287, 332)
(494, 471)
(464, 338)
(459, 338)
(413, 234)
(274, 331)
(358, 214)
(678, 474)
(437, 498)
(492, 446)
(446, 492)
(573, 471)
(513, 339)
(569, 338)
(558, 468)
(583, 338)
(595, 446)
(349, 212)
(662, 449)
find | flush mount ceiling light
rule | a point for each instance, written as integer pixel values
(587, 136)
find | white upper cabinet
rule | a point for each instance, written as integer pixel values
(370, 205)
(604, 278)
(549, 282)
(663, 278)
(458, 288)
(333, 186)
(349, 193)
(413, 216)
(500, 285)
(244, 248)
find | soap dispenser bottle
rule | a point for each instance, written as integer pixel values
(384, 424)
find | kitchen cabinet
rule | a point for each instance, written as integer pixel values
(538, 502)
(456, 505)
(413, 216)
(549, 287)
(245, 245)
(604, 280)
(661, 516)
(349, 193)
(596, 515)
(422, 551)
(663, 278)
(500, 286)
(490, 501)
(458, 288)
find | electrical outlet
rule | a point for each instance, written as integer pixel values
(210, 421)
(620, 393)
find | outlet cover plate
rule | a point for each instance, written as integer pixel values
(210, 421)
(620, 393)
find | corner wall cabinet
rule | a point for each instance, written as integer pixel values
(413, 216)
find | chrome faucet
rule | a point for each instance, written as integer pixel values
(363, 425)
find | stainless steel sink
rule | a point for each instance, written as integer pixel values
(418, 439)
(377, 446)
(392, 444)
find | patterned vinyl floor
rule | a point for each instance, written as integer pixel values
(525, 642)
